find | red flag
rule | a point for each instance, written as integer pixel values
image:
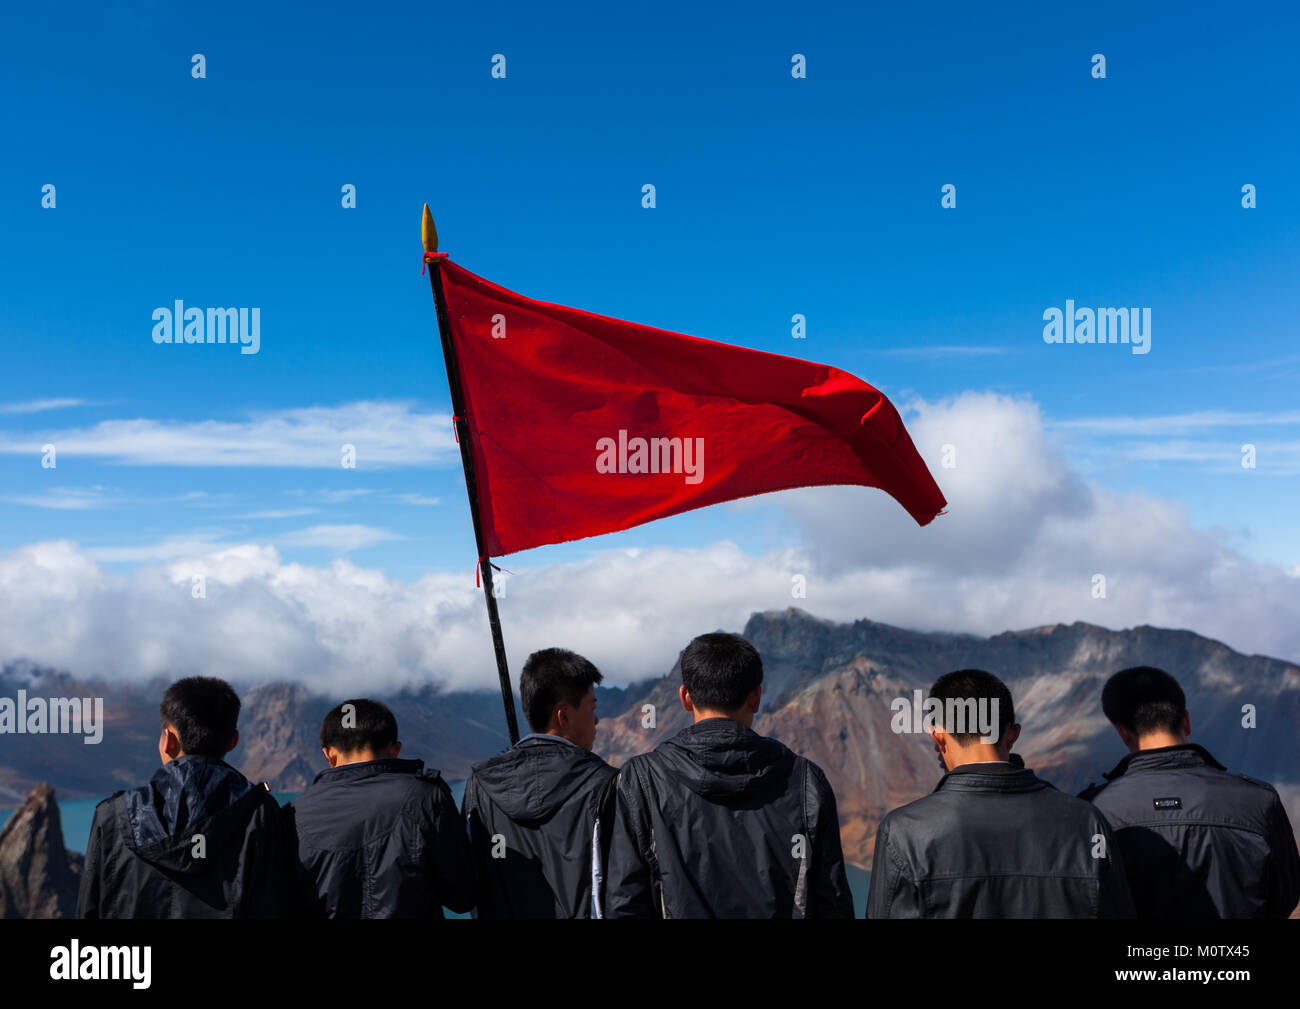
(581, 424)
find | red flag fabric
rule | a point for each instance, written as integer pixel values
(582, 424)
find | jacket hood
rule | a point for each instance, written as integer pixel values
(719, 758)
(536, 776)
(188, 796)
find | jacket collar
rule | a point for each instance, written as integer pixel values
(545, 737)
(999, 777)
(369, 768)
(717, 726)
(1182, 755)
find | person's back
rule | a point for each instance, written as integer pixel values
(539, 814)
(1198, 841)
(198, 841)
(536, 814)
(725, 823)
(375, 836)
(720, 822)
(992, 840)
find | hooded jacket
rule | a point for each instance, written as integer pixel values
(199, 841)
(996, 841)
(1198, 841)
(379, 839)
(544, 807)
(720, 822)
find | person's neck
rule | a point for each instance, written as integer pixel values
(360, 757)
(980, 753)
(745, 718)
(1159, 740)
(561, 734)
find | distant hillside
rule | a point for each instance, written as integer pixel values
(828, 687)
(279, 733)
(827, 693)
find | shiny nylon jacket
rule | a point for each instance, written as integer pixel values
(198, 841)
(545, 804)
(720, 822)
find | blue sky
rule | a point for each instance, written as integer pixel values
(775, 196)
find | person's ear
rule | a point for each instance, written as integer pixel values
(1127, 738)
(1012, 734)
(755, 698)
(685, 696)
(397, 747)
(331, 755)
(940, 739)
(234, 742)
(1187, 723)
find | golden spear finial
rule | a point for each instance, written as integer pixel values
(428, 232)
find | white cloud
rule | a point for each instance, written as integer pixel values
(40, 405)
(1179, 423)
(63, 499)
(334, 496)
(385, 434)
(1024, 536)
(341, 537)
(185, 545)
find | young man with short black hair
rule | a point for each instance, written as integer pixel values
(376, 836)
(1199, 842)
(992, 840)
(539, 814)
(718, 821)
(198, 841)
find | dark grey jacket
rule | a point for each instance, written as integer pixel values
(720, 822)
(996, 841)
(379, 839)
(543, 808)
(1198, 841)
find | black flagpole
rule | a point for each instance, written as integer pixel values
(430, 236)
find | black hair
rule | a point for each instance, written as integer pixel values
(1144, 699)
(971, 686)
(204, 711)
(550, 676)
(720, 670)
(359, 724)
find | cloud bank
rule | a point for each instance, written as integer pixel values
(1024, 541)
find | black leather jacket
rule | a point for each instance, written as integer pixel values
(1198, 841)
(996, 841)
(720, 822)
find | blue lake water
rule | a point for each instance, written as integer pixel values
(77, 815)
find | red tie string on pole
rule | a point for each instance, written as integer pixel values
(478, 567)
(430, 257)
